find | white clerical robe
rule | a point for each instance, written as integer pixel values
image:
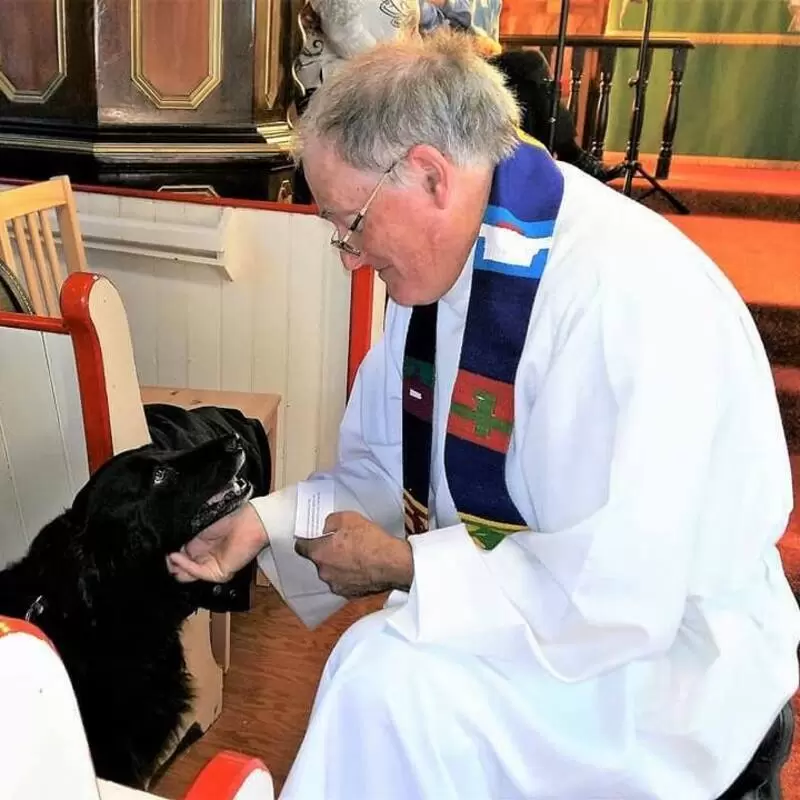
(639, 640)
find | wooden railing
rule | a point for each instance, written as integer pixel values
(593, 132)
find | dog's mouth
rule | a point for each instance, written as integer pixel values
(234, 495)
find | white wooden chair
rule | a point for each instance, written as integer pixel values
(31, 254)
(44, 749)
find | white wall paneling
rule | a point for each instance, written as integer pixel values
(271, 316)
(233, 299)
(42, 445)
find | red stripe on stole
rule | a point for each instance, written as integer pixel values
(490, 402)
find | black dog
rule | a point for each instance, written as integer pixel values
(95, 581)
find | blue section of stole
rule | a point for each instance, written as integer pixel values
(510, 257)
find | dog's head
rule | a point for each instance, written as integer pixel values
(109, 549)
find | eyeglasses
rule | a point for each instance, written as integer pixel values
(343, 243)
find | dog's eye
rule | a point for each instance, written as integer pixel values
(161, 475)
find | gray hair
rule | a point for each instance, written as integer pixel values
(436, 91)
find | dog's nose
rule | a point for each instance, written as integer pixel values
(234, 443)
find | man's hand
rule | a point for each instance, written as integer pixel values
(357, 557)
(217, 553)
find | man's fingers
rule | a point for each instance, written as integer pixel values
(333, 522)
(196, 547)
(303, 547)
(307, 547)
(339, 520)
(185, 570)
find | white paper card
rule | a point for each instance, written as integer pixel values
(315, 501)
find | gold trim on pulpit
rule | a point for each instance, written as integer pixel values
(189, 188)
(279, 135)
(41, 96)
(207, 85)
(277, 140)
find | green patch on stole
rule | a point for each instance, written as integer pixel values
(486, 533)
(482, 415)
(421, 370)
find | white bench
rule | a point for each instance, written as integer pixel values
(44, 749)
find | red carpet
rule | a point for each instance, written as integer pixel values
(761, 257)
(756, 181)
(790, 551)
(790, 544)
(754, 192)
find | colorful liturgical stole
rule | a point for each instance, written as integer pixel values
(510, 256)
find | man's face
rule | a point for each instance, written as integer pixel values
(400, 235)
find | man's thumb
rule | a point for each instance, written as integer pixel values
(185, 570)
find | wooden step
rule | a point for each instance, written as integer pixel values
(789, 545)
(760, 257)
(779, 327)
(714, 190)
(787, 385)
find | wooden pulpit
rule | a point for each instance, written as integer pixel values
(178, 95)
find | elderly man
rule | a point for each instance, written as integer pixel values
(564, 459)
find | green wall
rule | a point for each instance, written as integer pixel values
(737, 101)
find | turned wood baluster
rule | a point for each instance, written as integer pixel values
(679, 56)
(608, 57)
(637, 117)
(576, 75)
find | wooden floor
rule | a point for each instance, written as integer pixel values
(275, 666)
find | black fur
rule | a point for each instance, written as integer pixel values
(528, 76)
(111, 608)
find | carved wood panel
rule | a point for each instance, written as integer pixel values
(33, 49)
(175, 62)
(277, 42)
(156, 92)
(176, 50)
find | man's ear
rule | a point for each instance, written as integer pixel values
(436, 173)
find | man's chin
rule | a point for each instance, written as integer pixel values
(404, 295)
(394, 288)
(405, 299)
(409, 299)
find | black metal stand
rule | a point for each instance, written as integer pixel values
(559, 69)
(631, 165)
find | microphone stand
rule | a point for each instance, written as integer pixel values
(631, 165)
(559, 69)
